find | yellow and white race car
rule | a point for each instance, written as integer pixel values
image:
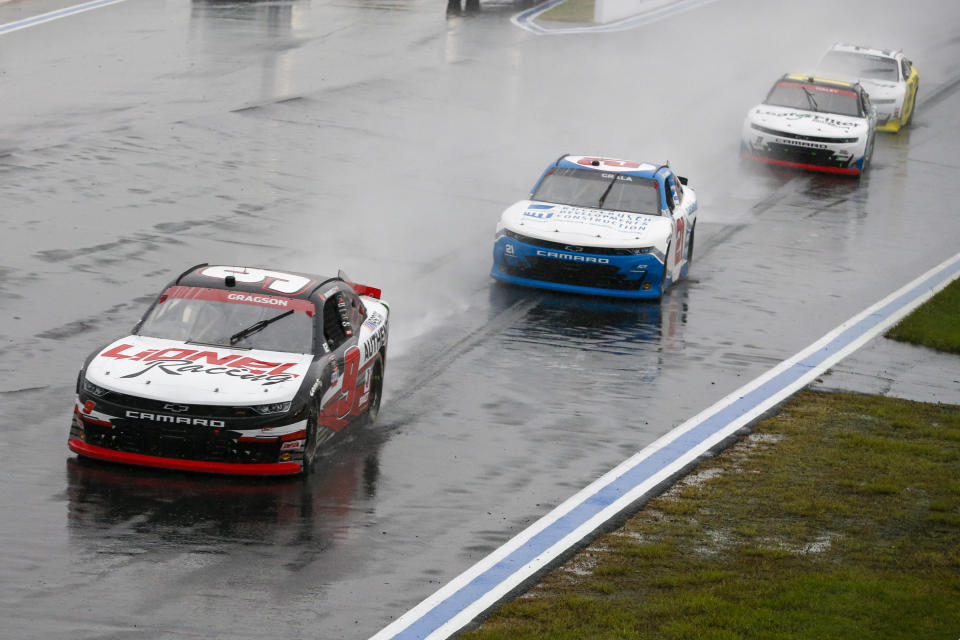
(888, 76)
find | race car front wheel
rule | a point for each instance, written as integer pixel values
(867, 156)
(310, 446)
(693, 233)
(663, 278)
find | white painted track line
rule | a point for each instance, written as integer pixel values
(55, 15)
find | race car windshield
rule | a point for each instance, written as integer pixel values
(215, 322)
(599, 190)
(813, 97)
(859, 65)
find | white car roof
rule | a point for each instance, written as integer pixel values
(868, 51)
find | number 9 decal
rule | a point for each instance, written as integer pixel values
(348, 383)
(276, 281)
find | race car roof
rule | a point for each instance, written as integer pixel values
(867, 51)
(254, 280)
(598, 163)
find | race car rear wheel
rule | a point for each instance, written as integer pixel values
(376, 391)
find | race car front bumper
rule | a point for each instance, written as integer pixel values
(890, 126)
(528, 262)
(847, 171)
(227, 468)
(845, 158)
(890, 116)
(94, 434)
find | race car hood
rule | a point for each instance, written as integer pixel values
(879, 90)
(174, 371)
(872, 86)
(806, 123)
(586, 227)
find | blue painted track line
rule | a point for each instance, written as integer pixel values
(55, 15)
(538, 547)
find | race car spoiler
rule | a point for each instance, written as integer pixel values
(366, 290)
(361, 289)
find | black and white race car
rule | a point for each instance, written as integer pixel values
(812, 123)
(235, 370)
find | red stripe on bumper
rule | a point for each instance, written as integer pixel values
(263, 469)
(800, 165)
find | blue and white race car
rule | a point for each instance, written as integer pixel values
(599, 226)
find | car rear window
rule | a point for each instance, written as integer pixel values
(599, 190)
(861, 65)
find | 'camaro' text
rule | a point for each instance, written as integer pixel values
(572, 257)
(159, 417)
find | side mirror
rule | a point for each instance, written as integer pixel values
(682, 180)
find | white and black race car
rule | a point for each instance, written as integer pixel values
(235, 370)
(599, 226)
(812, 123)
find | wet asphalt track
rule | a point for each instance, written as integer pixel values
(384, 139)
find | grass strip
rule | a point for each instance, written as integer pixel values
(837, 518)
(936, 324)
(580, 11)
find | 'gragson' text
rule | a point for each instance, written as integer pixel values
(245, 297)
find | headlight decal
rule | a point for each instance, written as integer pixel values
(93, 389)
(272, 408)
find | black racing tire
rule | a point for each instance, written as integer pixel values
(693, 233)
(309, 447)
(663, 278)
(867, 156)
(913, 107)
(376, 391)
